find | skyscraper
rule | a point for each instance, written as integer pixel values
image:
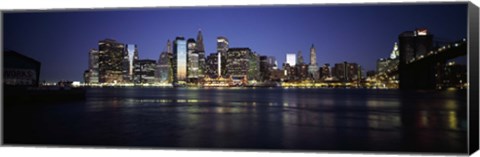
(180, 60)
(201, 55)
(211, 66)
(93, 66)
(313, 67)
(290, 59)
(238, 62)
(110, 61)
(129, 58)
(192, 54)
(145, 71)
(222, 48)
(164, 70)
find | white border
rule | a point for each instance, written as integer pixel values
(6, 5)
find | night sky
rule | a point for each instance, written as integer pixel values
(61, 39)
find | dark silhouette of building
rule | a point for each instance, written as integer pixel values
(413, 45)
(20, 70)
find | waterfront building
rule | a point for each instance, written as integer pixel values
(145, 71)
(212, 63)
(222, 48)
(20, 70)
(165, 72)
(110, 65)
(242, 63)
(91, 75)
(201, 55)
(180, 60)
(266, 68)
(313, 67)
(346, 71)
(129, 58)
(192, 55)
(325, 72)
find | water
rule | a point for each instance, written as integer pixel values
(247, 118)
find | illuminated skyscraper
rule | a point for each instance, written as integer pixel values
(291, 59)
(313, 67)
(180, 60)
(222, 48)
(164, 72)
(145, 71)
(192, 67)
(110, 63)
(201, 55)
(212, 65)
(129, 58)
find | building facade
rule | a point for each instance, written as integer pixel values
(110, 65)
(180, 60)
(192, 55)
(130, 58)
(145, 71)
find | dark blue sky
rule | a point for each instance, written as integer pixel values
(362, 33)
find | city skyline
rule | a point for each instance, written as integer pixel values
(270, 33)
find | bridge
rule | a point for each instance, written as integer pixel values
(422, 72)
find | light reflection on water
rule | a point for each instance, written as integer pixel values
(268, 118)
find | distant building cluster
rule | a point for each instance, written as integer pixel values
(184, 62)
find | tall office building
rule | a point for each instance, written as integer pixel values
(211, 66)
(222, 48)
(164, 70)
(144, 71)
(325, 71)
(290, 59)
(346, 71)
(238, 63)
(180, 60)
(92, 72)
(192, 55)
(110, 63)
(313, 67)
(129, 58)
(201, 55)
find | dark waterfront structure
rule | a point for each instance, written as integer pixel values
(420, 64)
(20, 70)
(110, 65)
